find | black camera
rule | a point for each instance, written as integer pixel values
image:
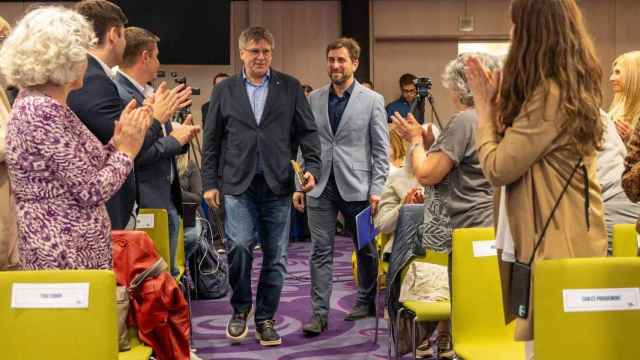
(183, 80)
(423, 86)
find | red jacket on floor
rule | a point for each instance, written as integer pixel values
(157, 306)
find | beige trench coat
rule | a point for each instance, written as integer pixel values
(8, 235)
(534, 159)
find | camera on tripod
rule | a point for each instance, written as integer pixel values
(423, 91)
(423, 87)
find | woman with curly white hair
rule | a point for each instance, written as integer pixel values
(457, 195)
(61, 174)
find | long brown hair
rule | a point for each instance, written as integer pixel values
(551, 45)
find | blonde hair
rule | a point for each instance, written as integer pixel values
(626, 104)
(182, 163)
(397, 144)
(4, 25)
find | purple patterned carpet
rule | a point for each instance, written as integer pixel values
(343, 340)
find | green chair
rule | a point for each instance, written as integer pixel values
(138, 350)
(63, 333)
(422, 311)
(625, 240)
(158, 230)
(180, 255)
(566, 323)
(477, 314)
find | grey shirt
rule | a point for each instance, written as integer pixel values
(466, 193)
(611, 161)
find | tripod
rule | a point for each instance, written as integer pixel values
(418, 100)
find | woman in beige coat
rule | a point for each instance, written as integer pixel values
(533, 132)
(8, 242)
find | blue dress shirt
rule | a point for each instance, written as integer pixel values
(257, 98)
(337, 104)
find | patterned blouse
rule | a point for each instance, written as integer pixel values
(62, 177)
(631, 174)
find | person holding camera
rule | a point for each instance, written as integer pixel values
(355, 143)
(254, 119)
(408, 95)
(156, 172)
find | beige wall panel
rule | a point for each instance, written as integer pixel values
(627, 18)
(600, 17)
(420, 18)
(302, 31)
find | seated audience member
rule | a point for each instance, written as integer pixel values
(61, 173)
(457, 193)
(216, 80)
(8, 243)
(307, 90)
(403, 104)
(400, 188)
(191, 186)
(618, 209)
(625, 80)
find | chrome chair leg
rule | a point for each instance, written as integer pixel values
(413, 337)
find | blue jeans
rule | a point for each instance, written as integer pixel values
(174, 224)
(242, 212)
(191, 237)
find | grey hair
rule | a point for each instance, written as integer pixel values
(48, 46)
(255, 34)
(455, 80)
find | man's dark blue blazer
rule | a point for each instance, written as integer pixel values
(232, 137)
(98, 106)
(154, 164)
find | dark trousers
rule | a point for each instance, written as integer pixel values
(322, 225)
(242, 213)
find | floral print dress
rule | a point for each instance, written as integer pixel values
(62, 177)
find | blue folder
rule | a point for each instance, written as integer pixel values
(365, 230)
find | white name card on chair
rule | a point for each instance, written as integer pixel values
(145, 221)
(585, 300)
(50, 296)
(482, 248)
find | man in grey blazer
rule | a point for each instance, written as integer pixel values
(352, 124)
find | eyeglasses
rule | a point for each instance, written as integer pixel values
(409, 91)
(256, 52)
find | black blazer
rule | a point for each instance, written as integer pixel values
(204, 109)
(232, 137)
(98, 106)
(154, 165)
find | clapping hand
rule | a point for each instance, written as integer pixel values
(408, 128)
(186, 131)
(130, 129)
(484, 86)
(167, 102)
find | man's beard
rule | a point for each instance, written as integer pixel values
(339, 81)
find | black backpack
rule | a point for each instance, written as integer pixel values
(208, 269)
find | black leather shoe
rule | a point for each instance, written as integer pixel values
(361, 311)
(237, 328)
(266, 333)
(315, 326)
